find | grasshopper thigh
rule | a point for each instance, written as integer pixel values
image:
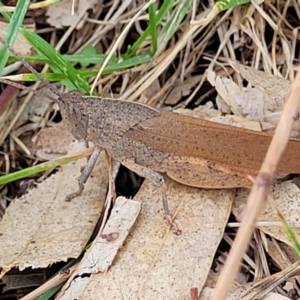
(145, 172)
(201, 174)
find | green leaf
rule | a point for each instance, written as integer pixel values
(163, 11)
(57, 62)
(42, 167)
(152, 26)
(174, 20)
(86, 52)
(16, 21)
(224, 5)
(113, 66)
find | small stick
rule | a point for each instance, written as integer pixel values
(194, 293)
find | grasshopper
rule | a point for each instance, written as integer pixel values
(149, 141)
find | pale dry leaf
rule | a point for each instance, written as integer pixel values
(78, 287)
(237, 122)
(222, 105)
(182, 89)
(21, 281)
(99, 257)
(254, 103)
(247, 102)
(7, 116)
(287, 198)
(59, 15)
(203, 111)
(275, 86)
(271, 118)
(21, 45)
(227, 89)
(36, 107)
(41, 228)
(236, 292)
(156, 264)
(52, 142)
(207, 292)
(241, 278)
(270, 121)
(288, 287)
(104, 250)
(245, 123)
(290, 252)
(281, 259)
(258, 289)
(152, 90)
(277, 256)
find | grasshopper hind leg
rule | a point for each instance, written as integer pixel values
(159, 181)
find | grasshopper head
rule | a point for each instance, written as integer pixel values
(75, 114)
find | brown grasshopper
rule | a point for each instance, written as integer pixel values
(149, 141)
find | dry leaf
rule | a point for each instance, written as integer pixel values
(227, 89)
(156, 264)
(182, 89)
(103, 250)
(21, 45)
(59, 15)
(19, 281)
(246, 102)
(203, 111)
(36, 107)
(207, 292)
(51, 143)
(42, 228)
(290, 252)
(279, 254)
(259, 289)
(254, 103)
(151, 90)
(208, 113)
(275, 86)
(287, 197)
(222, 105)
(237, 122)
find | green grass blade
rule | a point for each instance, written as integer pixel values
(80, 58)
(50, 293)
(152, 26)
(289, 231)
(113, 66)
(57, 62)
(175, 20)
(224, 5)
(163, 11)
(43, 167)
(15, 22)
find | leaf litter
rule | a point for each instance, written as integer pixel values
(43, 228)
(153, 258)
(52, 142)
(286, 196)
(163, 258)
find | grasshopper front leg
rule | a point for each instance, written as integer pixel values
(156, 179)
(85, 173)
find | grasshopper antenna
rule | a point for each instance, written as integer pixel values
(31, 69)
(26, 88)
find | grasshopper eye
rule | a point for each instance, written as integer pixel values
(74, 112)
